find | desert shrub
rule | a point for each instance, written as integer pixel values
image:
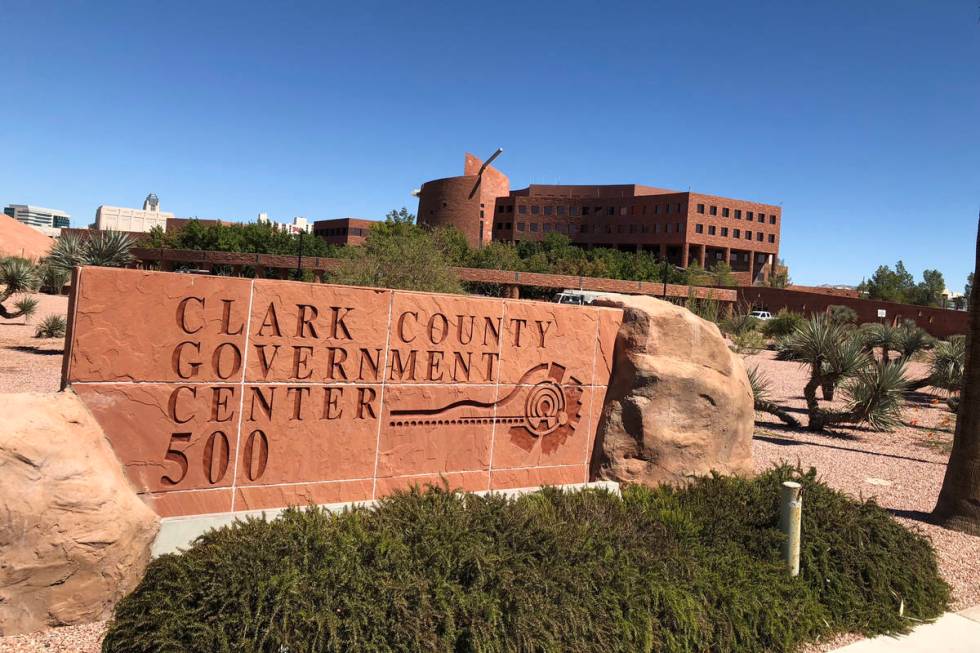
(694, 569)
(52, 326)
(840, 314)
(748, 342)
(782, 324)
(740, 323)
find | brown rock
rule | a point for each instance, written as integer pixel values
(679, 404)
(74, 537)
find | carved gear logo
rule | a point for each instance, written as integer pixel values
(544, 406)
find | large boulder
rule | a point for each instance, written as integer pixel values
(679, 403)
(74, 537)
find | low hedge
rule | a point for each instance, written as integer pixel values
(695, 569)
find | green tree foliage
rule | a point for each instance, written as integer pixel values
(721, 275)
(840, 314)
(968, 290)
(255, 237)
(782, 324)
(899, 285)
(667, 570)
(399, 254)
(779, 276)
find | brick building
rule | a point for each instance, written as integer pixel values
(682, 227)
(343, 231)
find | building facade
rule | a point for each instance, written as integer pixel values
(47, 221)
(465, 202)
(299, 224)
(681, 227)
(343, 231)
(119, 218)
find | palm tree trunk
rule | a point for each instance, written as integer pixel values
(958, 506)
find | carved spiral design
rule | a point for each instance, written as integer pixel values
(544, 410)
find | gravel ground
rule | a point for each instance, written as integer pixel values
(902, 470)
(29, 364)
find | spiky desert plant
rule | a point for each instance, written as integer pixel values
(17, 275)
(103, 248)
(946, 366)
(883, 337)
(762, 397)
(52, 326)
(845, 359)
(912, 340)
(825, 346)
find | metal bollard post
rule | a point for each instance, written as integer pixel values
(790, 512)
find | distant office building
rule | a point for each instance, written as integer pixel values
(118, 218)
(343, 231)
(681, 227)
(47, 221)
(299, 225)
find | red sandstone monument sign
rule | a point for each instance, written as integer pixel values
(221, 394)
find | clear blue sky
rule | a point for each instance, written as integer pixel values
(861, 118)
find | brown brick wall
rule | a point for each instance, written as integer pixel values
(937, 321)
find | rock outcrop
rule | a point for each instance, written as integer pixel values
(679, 403)
(74, 537)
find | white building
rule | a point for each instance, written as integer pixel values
(299, 224)
(118, 218)
(47, 221)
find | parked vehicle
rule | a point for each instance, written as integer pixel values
(761, 315)
(580, 297)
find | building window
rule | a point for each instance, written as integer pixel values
(724, 231)
(645, 228)
(548, 227)
(573, 210)
(632, 228)
(677, 227)
(724, 212)
(520, 225)
(772, 219)
(699, 228)
(497, 226)
(481, 213)
(585, 210)
(749, 215)
(656, 209)
(713, 210)
(611, 210)
(560, 210)
(700, 208)
(758, 236)
(535, 209)
(711, 230)
(748, 235)
(622, 210)
(738, 214)
(772, 238)
(522, 209)
(547, 210)
(534, 226)
(677, 207)
(737, 233)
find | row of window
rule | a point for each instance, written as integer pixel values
(658, 209)
(342, 231)
(726, 212)
(672, 227)
(736, 233)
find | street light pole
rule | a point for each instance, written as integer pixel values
(299, 260)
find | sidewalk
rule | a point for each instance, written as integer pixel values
(957, 632)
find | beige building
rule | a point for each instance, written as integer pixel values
(119, 218)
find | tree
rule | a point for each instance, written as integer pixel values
(930, 291)
(401, 215)
(721, 275)
(889, 285)
(17, 275)
(779, 275)
(399, 254)
(968, 290)
(958, 506)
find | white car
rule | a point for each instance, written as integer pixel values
(761, 315)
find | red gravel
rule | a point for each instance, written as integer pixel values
(29, 364)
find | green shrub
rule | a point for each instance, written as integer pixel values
(52, 326)
(748, 342)
(740, 323)
(695, 569)
(840, 314)
(782, 324)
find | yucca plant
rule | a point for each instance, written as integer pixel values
(52, 326)
(762, 397)
(945, 367)
(912, 340)
(834, 354)
(17, 275)
(883, 337)
(103, 248)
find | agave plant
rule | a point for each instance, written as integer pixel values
(104, 248)
(834, 355)
(17, 275)
(946, 367)
(762, 396)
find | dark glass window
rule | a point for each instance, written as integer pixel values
(700, 208)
